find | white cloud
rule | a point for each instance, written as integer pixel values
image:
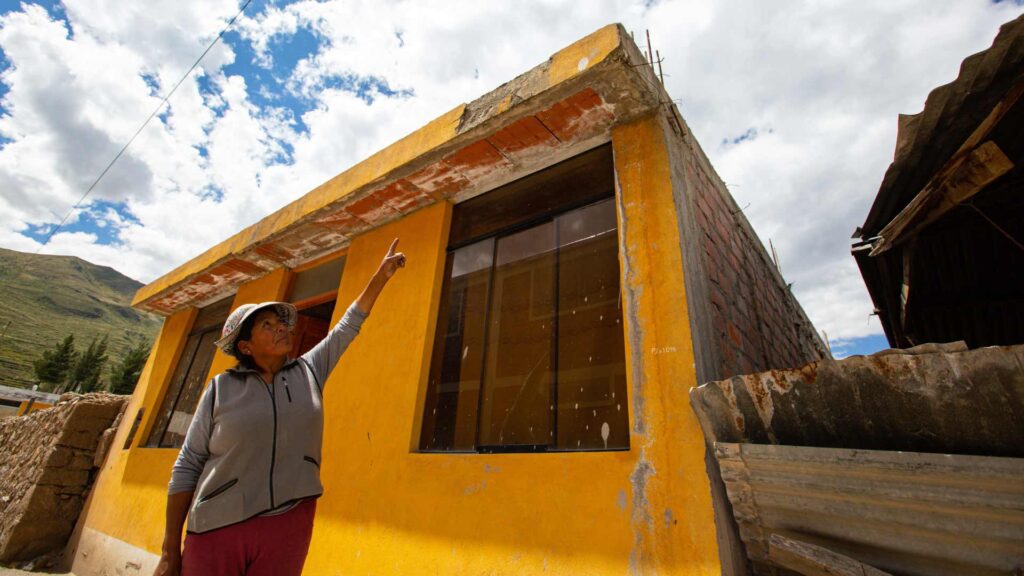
(828, 79)
(821, 83)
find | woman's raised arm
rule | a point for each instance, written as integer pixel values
(388, 266)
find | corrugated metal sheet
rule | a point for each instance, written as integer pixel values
(22, 395)
(909, 461)
(926, 140)
(935, 398)
(949, 207)
(903, 512)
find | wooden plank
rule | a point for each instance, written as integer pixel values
(893, 232)
(953, 186)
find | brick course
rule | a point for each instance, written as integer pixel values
(755, 323)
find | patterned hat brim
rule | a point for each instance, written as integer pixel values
(284, 309)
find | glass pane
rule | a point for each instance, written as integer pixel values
(316, 281)
(163, 417)
(450, 412)
(591, 351)
(185, 407)
(212, 315)
(182, 395)
(517, 407)
(579, 180)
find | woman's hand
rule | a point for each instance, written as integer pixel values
(388, 266)
(392, 261)
(169, 565)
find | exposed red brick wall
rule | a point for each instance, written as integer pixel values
(753, 321)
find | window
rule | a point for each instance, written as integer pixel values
(134, 428)
(314, 292)
(529, 352)
(179, 403)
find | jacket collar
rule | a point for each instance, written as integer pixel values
(239, 369)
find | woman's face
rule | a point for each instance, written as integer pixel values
(271, 336)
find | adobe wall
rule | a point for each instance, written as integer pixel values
(46, 468)
(743, 316)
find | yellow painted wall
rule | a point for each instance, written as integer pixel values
(130, 492)
(24, 408)
(390, 510)
(565, 65)
(676, 524)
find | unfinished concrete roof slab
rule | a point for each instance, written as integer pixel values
(558, 109)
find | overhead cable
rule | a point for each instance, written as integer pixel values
(156, 110)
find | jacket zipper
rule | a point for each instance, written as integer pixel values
(273, 445)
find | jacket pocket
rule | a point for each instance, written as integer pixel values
(221, 511)
(219, 490)
(311, 460)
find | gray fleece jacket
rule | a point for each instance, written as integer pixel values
(254, 446)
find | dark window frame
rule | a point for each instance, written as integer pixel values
(209, 319)
(314, 300)
(579, 198)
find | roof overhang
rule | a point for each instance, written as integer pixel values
(556, 110)
(940, 251)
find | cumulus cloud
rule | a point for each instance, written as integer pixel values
(796, 105)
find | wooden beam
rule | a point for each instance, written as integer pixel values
(969, 162)
(971, 174)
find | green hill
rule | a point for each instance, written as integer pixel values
(45, 298)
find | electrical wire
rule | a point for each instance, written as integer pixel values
(156, 110)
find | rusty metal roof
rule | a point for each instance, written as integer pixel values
(906, 513)
(935, 398)
(941, 251)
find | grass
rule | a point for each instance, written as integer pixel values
(45, 298)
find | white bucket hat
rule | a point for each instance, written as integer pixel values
(233, 325)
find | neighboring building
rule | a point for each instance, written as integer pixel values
(942, 249)
(517, 403)
(19, 401)
(907, 461)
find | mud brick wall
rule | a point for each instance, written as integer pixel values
(746, 319)
(47, 463)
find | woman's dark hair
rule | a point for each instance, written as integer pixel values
(245, 333)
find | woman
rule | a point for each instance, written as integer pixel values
(248, 474)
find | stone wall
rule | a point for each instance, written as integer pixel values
(746, 318)
(47, 463)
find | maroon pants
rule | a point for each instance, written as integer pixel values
(260, 546)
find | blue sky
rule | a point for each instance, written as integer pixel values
(795, 104)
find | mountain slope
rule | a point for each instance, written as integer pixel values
(45, 298)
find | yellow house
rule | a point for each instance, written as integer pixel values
(517, 402)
